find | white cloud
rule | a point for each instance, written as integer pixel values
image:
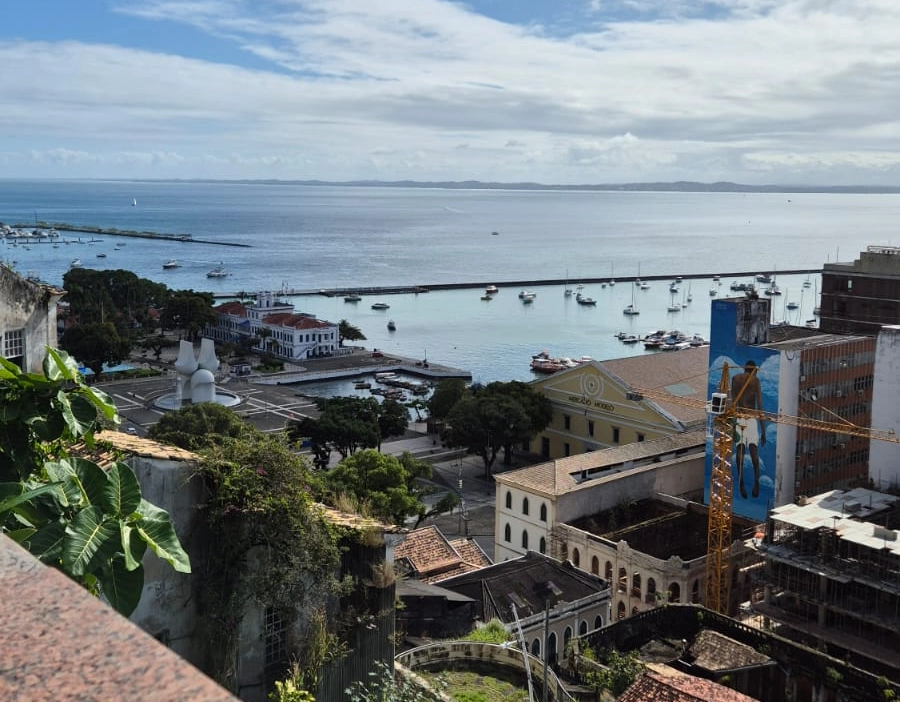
(758, 91)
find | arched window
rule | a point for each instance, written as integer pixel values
(674, 593)
(636, 585)
(595, 565)
(536, 647)
(507, 533)
(582, 628)
(543, 512)
(634, 610)
(567, 636)
(695, 592)
(543, 545)
(651, 590)
(620, 610)
(598, 622)
(524, 538)
(576, 557)
(508, 500)
(551, 648)
(525, 505)
(623, 580)
(608, 572)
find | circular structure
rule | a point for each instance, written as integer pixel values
(172, 402)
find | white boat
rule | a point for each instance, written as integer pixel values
(491, 289)
(526, 293)
(217, 272)
(134, 202)
(76, 263)
(171, 263)
(631, 309)
(352, 297)
(381, 306)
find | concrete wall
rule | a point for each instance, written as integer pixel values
(32, 308)
(884, 456)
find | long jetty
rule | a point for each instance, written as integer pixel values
(417, 289)
(45, 237)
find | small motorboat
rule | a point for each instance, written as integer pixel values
(352, 297)
(217, 272)
(171, 263)
(381, 306)
(391, 326)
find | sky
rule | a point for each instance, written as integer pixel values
(546, 91)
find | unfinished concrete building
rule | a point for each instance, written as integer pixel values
(831, 576)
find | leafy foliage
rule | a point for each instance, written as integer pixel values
(87, 521)
(345, 425)
(349, 332)
(619, 673)
(492, 632)
(446, 394)
(198, 426)
(190, 311)
(386, 487)
(96, 344)
(383, 686)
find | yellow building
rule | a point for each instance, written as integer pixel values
(594, 406)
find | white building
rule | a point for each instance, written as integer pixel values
(27, 319)
(270, 325)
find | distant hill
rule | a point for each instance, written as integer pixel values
(684, 186)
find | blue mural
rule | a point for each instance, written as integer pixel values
(753, 380)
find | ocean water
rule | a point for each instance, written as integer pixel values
(298, 237)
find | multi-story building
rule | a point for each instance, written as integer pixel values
(27, 319)
(862, 296)
(270, 325)
(832, 576)
(884, 456)
(592, 408)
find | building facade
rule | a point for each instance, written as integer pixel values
(27, 320)
(593, 409)
(270, 325)
(862, 296)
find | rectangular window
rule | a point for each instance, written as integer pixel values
(276, 642)
(14, 343)
(615, 433)
(567, 422)
(640, 437)
(590, 427)
(566, 450)
(545, 447)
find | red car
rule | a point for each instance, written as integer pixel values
(377, 354)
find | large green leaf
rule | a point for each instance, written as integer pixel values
(133, 546)
(121, 587)
(95, 485)
(59, 365)
(123, 490)
(90, 540)
(46, 544)
(156, 528)
(10, 503)
(64, 473)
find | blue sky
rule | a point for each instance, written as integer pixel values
(552, 91)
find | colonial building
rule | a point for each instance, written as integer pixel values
(27, 319)
(860, 297)
(270, 325)
(592, 408)
(540, 595)
(427, 555)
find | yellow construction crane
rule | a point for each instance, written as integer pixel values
(723, 411)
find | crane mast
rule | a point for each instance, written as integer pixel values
(718, 545)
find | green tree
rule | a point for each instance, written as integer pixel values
(197, 426)
(348, 332)
(619, 673)
(393, 419)
(519, 395)
(156, 343)
(446, 394)
(345, 425)
(95, 344)
(116, 296)
(189, 311)
(484, 423)
(383, 686)
(89, 522)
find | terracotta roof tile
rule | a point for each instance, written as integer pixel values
(141, 446)
(234, 308)
(669, 685)
(434, 558)
(296, 321)
(67, 646)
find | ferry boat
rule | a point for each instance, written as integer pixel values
(352, 297)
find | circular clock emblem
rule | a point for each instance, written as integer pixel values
(590, 384)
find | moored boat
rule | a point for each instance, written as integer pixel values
(171, 263)
(380, 306)
(491, 289)
(391, 326)
(217, 272)
(352, 297)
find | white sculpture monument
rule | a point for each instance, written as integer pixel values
(196, 380)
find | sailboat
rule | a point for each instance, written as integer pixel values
(612, 277)
(673, 306)
(568, 290)
(631, 309)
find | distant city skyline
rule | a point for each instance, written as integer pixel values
(571, 92)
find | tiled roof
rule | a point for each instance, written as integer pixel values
(683, 373)
(564, 474)
(65, 645)
(234, 308)
(434, 558)
(523, 582)
(712, 651)
(139, 446)
(296, 321)
(358, 522)
(668, 685)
